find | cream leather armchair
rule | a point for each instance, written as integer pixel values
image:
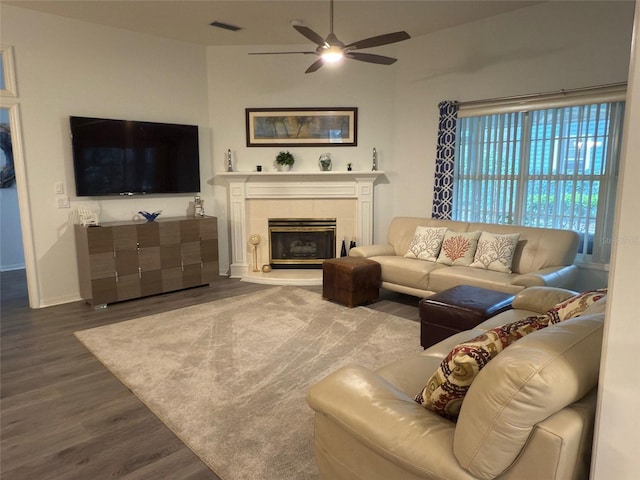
(528, 414)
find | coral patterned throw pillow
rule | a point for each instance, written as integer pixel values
(495, 252)
(426, 243)
(458, 248)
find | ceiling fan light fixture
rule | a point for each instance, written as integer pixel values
(331, 50)
(332, 54)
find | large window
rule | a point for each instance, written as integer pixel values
(543, 167)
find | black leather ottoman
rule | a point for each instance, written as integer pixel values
(457, 309)
(351, 281)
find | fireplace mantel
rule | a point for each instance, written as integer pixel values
(244, 186)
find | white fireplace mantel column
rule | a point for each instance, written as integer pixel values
(278, 185)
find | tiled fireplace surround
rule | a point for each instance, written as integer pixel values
(256, 197)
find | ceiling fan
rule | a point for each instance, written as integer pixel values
(331, 50)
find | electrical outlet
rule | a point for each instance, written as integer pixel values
(63, 202)
(59, 187)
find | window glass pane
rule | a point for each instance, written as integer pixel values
(542, 168)
(489, 153)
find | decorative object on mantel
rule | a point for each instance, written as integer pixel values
(325, 162)
(375, 160)
(284, 161)
(258, 168)
(199, 206)
(266, 268)
(343, 250)
(254, 241)
(150, 217)
(229, 164)
(349, 167)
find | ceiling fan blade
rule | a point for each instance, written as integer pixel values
(281, 53)
(379, 40)
(307, 32)
(315, 66)
(371, 58)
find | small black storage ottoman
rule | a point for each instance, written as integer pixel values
(350, 281)
(457, 309)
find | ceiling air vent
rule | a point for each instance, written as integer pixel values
(225, 26)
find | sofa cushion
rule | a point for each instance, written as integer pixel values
(458, 248)
(401, 230)
(535, 377)
(426, 243)
(452, 276)
(407, 271)
(495, 251)
(538, 248)
(446, 388)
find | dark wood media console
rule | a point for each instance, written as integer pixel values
(124, 260)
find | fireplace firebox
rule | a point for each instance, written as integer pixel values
(301, 242)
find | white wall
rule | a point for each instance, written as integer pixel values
(238, 81)
(618, 419)
(66, 67)
(548, 47)
(552, 46)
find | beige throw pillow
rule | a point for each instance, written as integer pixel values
(426, 243)
(495, 251)
(458, 248)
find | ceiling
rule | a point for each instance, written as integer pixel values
(268, 22)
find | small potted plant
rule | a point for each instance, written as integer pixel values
(284, 161)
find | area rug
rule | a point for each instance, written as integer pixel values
(230, 377)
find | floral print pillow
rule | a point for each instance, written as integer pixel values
(495, 252)
(446, 388)
(458, 248)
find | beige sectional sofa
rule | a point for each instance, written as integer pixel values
(542, 257)
(528, 415)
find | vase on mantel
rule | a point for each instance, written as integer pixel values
(343, 250)
(283, 168)
(325, 162)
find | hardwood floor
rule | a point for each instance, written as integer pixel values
(65, 416)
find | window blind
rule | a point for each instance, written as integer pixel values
(546, 167)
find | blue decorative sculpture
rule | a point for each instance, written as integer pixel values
(150, 216)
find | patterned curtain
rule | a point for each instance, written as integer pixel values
(445, 154)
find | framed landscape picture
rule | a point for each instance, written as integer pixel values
(311, 127)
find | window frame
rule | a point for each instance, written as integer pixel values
(524, 105)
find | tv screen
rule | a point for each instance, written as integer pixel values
(123, 157)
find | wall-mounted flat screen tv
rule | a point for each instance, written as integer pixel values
(123, 157)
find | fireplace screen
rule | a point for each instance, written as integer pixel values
(301, 242)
